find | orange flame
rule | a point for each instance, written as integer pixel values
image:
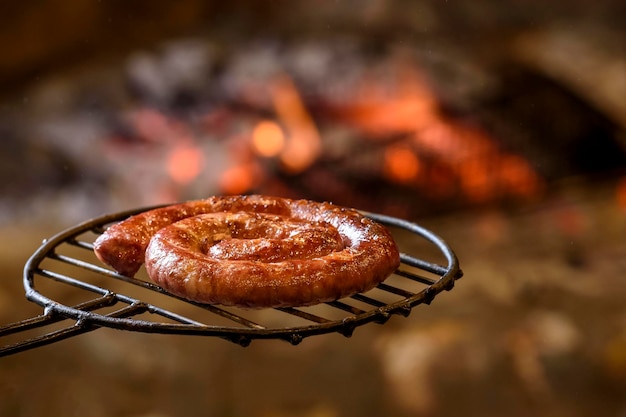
(482, 169)
(518, 176)
(303, 144)
(184, 160)
(185, 163)
(268, 138)
(154, 126)
(401, 164)
(239, 178)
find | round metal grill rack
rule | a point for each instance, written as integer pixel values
(65, 267)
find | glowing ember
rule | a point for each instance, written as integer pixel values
(476, 180)
(239, 178)
(303, 143)
(268, 138)
(185, 163)
(481, 169)
(407, 106)
(401, 164)
(518, 176)
(419, 145)
(153, 126)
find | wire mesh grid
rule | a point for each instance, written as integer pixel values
(94, 296)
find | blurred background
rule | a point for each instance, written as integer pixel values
(500, 125)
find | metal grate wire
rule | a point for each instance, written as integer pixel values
(416, 282)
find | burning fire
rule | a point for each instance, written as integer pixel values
(303, 143)
(268, 138)
(184, 163)
(401, 164)
(294, 138)
(239, 178)
(437, 153)
(479, 168)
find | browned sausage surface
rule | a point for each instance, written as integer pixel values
(253, 251)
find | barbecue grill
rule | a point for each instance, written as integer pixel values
(79, 295)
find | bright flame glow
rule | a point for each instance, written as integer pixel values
(303, 143)
(517, 176)
(401, 164)
(476, 180)
(150, 124)
(480, 168)
(239, 178)
(407, 108)
(154, 126)
(185, 163)
(268, 139)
